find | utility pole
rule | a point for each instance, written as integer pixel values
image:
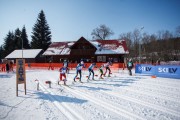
(140, 45)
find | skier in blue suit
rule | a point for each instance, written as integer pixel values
(78, 70)
(91, 70)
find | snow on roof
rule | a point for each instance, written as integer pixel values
(103, 47)
(27, 53)
(59, 48)
(110, 46)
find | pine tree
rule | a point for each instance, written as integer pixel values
(26, 44)
(1, 53)
(8, 44)
(17, 39)
(41, 38)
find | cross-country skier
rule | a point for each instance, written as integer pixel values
(130, 65)
(78, 70)
(62, 71)
(101, 71)
(90, 69)
(65, 64)
(107, 68)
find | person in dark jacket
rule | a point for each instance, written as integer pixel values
(130, 65)
(7, 67)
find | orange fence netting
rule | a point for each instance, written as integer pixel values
(54, 66)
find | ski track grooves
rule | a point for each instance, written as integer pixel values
(162, 83)
(166, 85)
(171, 86)
(158, 92)
(105, 105)
(161, 93)
(155, 88)
(156, 107)
(63, 107)
(138, 84)
(152, 94)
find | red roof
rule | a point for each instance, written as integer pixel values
(103, 47)
(117, 43)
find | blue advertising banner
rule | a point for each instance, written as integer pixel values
(144, 69)
(169, 71)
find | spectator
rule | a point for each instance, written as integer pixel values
(7, 67)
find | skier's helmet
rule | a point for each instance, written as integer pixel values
(82, 62)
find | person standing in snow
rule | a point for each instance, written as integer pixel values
(130, 65)
(62, 71)
(101, 71)
(158, 62)
(11, 66)
(78, 70)
(90, 69)
(50, 65)
(7, 67)
(65, 64)
(107, 68)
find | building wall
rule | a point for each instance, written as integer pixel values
(88, 58)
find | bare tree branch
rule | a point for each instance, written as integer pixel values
(103, 32)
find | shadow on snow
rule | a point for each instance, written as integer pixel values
(5, 76)
(93, 88)
(58, 98)
(117, 82)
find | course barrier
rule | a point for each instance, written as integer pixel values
(55, 66)
(168, 71)
(2, 67)
(70, 65)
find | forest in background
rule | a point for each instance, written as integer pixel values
(163, 45)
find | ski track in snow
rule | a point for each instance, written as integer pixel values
(141, 93)
(173, 114)
(63, 107)
(117, 97)
(146, 104)
(106, 105)
(164, 94)
(133, 101)
(81, 95)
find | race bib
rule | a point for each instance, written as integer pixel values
(129, 64)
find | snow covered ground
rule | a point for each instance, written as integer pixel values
(119, 97)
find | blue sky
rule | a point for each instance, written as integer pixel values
(71, 19)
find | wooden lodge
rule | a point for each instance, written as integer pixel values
(88, 50)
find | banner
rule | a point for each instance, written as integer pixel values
(169, 71)
(144, 69)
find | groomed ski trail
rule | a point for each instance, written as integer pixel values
(63, 107)
(146, 104)
(105, 105)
